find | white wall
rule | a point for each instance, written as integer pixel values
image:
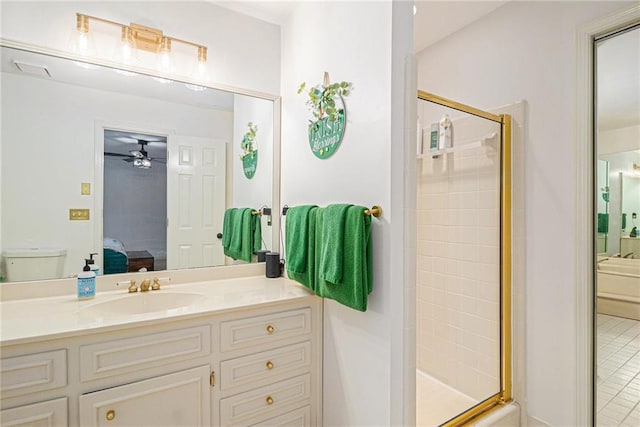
(36, 118)
(255, 192)
(242, 51)
(353, 42)
(507, 56)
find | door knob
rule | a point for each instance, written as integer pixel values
(111, 414)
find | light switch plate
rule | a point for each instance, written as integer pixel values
(78, 214)
(85, 188)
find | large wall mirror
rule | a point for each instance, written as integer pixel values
(154, 164)
(617, 221)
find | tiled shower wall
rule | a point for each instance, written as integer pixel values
(458, 262)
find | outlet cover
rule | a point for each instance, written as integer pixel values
(78, 214)
(85, 188)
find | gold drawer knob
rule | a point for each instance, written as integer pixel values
(111, 414)
(269, 365)
(270, 329)
(269, 400)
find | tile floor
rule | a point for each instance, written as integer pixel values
(618, 368)
(436, 402)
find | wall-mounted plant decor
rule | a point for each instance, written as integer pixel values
(249, 155)
(326, 103)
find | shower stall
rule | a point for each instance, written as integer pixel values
(463, 311)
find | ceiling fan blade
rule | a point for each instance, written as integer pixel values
(117, 154)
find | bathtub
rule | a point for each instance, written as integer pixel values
(618, 287)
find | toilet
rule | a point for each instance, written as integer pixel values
(33, 263)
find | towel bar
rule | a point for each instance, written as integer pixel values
(375, 210)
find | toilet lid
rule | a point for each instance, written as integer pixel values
(33, 252)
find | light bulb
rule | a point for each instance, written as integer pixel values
(81, 42)
(200, 70)
(164, 55)
(127, 53)
(164, 59)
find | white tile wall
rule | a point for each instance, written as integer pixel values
(458, 263)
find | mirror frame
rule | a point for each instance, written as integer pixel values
(277, 114)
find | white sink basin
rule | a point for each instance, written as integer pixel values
(146, 302)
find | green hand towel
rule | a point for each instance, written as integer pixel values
(227, 229)
(333, 236)
(243, 229)
(246, 235)
(357, 281)
(300, 245)
(297, 238)
(603, 223)
(237, 224)
(257, 233)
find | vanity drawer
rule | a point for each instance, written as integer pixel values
(249, 332)
(52, 413)
(106, 359)
(298, 418)
(265, 365)
(265, 402)
(33, 373)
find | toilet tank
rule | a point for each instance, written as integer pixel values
(33, 263)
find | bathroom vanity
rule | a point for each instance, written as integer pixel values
(242, 351)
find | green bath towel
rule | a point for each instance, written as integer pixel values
(333, 242)
(300, 235)
(356, 283)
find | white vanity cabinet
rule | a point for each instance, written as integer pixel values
(255, 365)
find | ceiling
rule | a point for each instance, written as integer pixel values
(451, 15)
(435, 20)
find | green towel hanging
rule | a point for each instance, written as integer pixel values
(300, 238)
(357, 280)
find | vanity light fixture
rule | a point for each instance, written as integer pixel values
(135, 37)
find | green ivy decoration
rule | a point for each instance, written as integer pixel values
(248, 141)
(322, 97)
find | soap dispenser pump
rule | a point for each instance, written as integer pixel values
(86, 281)
(92, 264)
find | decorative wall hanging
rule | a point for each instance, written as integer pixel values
(326, 103)
(249, 155)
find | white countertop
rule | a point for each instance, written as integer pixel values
(37, 319)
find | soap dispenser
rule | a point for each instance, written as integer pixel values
(86, 281)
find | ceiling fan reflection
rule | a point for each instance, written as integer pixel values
(139, 157)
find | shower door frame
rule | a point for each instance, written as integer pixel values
(504, 395)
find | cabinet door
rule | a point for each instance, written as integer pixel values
(179, 399)
(52, 413)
